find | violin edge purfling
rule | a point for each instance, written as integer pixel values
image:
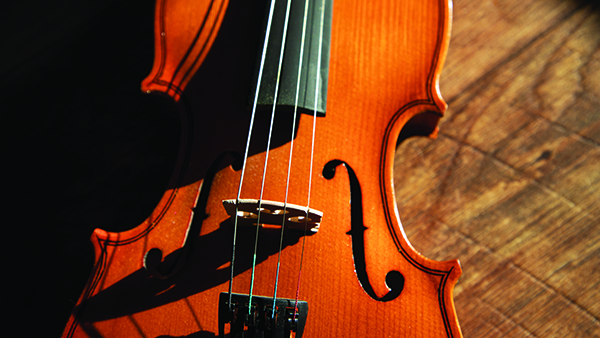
(360, 275)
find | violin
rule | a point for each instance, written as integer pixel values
(280, 218)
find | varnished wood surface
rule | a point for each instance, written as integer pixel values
(510, 187)
(381, 74)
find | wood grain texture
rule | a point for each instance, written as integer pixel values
(384, 68)
(512, 184)
(510, 187)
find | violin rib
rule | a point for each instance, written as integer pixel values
(360, 276)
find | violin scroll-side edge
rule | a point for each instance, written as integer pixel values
(422, 119)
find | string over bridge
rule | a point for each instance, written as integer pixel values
(273, 214)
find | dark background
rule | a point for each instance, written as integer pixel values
(84, 148)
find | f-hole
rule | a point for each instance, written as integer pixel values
(394, 279)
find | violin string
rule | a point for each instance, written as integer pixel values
(260, 73)
(287, 187)
(262, 187)
(312, 151)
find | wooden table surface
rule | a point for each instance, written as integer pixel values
(511, 187)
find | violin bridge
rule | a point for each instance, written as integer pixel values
(274, 214)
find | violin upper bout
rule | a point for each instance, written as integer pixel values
(445, 30)
(183, 34)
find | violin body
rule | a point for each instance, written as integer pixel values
(358, 273)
